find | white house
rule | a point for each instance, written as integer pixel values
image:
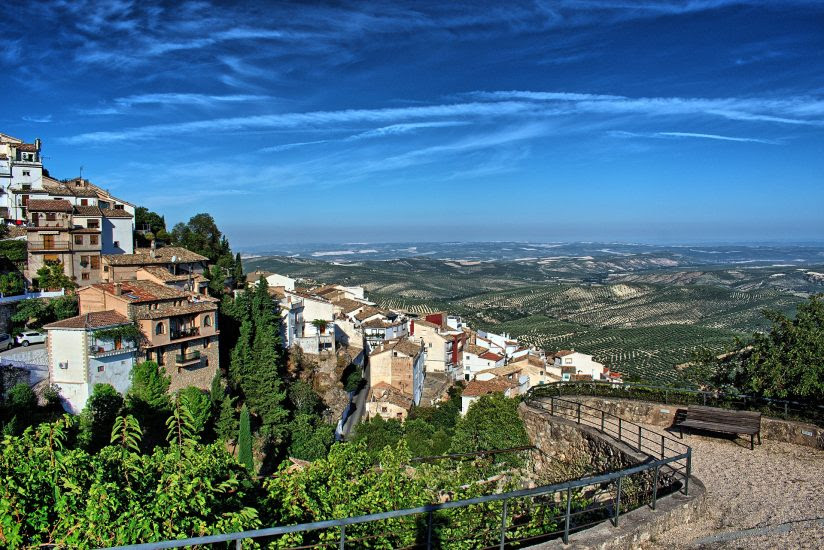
(477, 359)
(576, 364)
(272, 279)
(79, 359)
(21, 176)
(377, 331)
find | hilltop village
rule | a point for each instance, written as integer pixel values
(151, 302)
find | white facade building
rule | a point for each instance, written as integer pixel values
(572, 363)
(78, 359)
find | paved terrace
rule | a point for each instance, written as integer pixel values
(772, 497)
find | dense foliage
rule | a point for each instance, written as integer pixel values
(786, 361)
(36, 313)
(52, 277)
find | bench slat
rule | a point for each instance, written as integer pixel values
(722, 420)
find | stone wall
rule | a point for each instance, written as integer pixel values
(658, 414)
(566, 450)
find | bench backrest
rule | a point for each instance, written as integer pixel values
(744, 419)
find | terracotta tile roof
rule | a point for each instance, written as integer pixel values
(255, 276)
(165, 275)
(368, 312)
(96, 319)
(401, 345)
(143, 291)
(491, 356)
(27, 147)
(162, 256)
(380, 323)
(115, 213)
(168, 310)
(426, 323)
(49, 205)
(563, 352)
(475, 350)
(80, 210)
(346, 305)
(384, 393)
(477, 388)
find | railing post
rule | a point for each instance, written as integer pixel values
(579, 413)
(429, 532)
(639, 439)
(503, 525)
(552, 406)
(689, 472)
(786, 409)
(655, 487)
(568, 514)
(342, 537)
(704, 395)
(620, 425)
(618, 502)
(662, 445)
(238, 544)
(602, 421)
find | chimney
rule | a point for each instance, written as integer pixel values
(37, 144)
(153, 249)
(118, 289)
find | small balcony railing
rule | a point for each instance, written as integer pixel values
(102, 351)
(187, 359)
(43, 246)
(185, 332)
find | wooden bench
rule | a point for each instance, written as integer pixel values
(723, 420)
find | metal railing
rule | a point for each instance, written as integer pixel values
(778, 408)
(56, 245)
(190, 357)
(184, 332)
(509, 519)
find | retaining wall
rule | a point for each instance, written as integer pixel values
(662, 415)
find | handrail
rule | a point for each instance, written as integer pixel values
(564, 489)
(779, 408)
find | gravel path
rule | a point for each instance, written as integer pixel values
(772, 497)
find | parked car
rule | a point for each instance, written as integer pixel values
(6, 341)
(30, 337)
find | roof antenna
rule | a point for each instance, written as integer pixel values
(81, 173)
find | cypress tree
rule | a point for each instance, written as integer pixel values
(244, 440)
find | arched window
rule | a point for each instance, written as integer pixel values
(207, 321)
(159, 329)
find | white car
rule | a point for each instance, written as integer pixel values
(30, 337)
(6, 341)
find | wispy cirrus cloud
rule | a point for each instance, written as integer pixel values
(499, 104)
(186, 99)
(38, 119)
(717, 137)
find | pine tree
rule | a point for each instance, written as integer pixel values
(227, 423)
(244, 440)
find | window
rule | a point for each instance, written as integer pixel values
(95, 262)
(78, 239)
(93, 224)
(84, 202)
(26, 172)
(101, 368)
(161, 360)
(568, 361)
(118, 207)
(84, 261)
(207, 321)
(84, 276)
(117, 244)
(159, 328)
(93, 239)
(106, 268)
(51, 216)
(384, 409)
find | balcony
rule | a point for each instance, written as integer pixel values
(109, 350)
(42, 246)
(184, 332)
(187, 359)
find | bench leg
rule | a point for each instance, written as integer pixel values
(759, 438)
(752, 441)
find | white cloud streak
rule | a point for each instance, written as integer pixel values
(510, 105)
(670, 135)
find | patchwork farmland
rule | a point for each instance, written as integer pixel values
(644, 324)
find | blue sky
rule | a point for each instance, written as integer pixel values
(646, 121)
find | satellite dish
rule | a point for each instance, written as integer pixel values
(174, 259)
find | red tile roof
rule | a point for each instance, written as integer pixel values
(97, 319)
(476, 388)
(491, 356)
(49, 205)
(142, 291)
